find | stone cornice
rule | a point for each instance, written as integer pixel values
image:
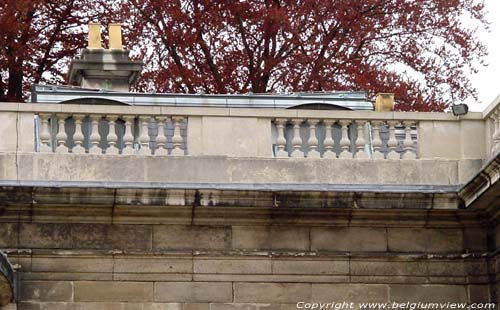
(483, 190)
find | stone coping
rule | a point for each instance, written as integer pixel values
(232, 112)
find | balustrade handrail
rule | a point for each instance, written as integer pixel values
(233, 112)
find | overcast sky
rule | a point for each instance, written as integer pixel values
(487, 81)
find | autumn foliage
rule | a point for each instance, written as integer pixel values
(420, 50)
(37, 40)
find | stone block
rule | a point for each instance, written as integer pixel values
(153, 277)
(232, 266)
(229, 136)
(91, 306)
(193, 292)
(8, 132)
(24, 262)
(476, 267)
(472, 139)
(152, 265)
(271, 238)
(311, 267)
(281, 278)
(430, 240)
(350, 292)
(479, 293)
(72, 264)
(428, 293)
(468, 168)
(274, 171)
(475, 239)
(245, 306)
(497, 236)
(11, 164)
(181, 237)
(446, 268)
(443, 172)
(271, 292)
(67, 276)
(196, 306)
(387, 279)
(162, 306)
(28, 306)
(355, 239)
(8, 234)
(445, 240)
(26, 132)
(102, 236)
(113, 291)
(439, 139)
(46, 235)
(389, 268)
(46, 291)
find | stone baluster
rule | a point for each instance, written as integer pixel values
(45, 133)
(161, 139)
(328, 143)
(297, 140)
(144, 136)
(313, 140)
(408, 142)
(112, 137)
(361, 141)
(61, 136)
(345, 143)
(95, 137)
(392, 143)
(128, 138)
(177, 137)
(78, 137)
(280, 140)
(495, 142)
(377, 142)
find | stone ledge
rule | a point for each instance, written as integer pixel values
(204, 169)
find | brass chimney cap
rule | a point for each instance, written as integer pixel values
(115, 36)
(384, 102)
(95, 36)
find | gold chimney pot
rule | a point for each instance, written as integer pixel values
(384, 102)
(115, 36)
(95, 36)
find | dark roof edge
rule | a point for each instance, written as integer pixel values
(268, 187)
(479, 184)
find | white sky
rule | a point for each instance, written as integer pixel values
(487, 80)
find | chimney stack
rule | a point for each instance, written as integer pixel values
(384, 102)
(115, 36)
(95, 36)
(99, 68)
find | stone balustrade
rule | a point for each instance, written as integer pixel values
(110, 134)
(250, 133)
(492, 115)
(346, 138)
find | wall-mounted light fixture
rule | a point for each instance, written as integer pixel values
(460, 109)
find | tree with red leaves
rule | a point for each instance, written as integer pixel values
(419, 50)
(422, 50)
(37, 40)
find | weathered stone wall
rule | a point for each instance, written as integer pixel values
(228, 258)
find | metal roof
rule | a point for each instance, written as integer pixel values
(62, 94)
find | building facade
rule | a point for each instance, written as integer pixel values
(207, 204)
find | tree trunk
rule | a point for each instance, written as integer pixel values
(15, 88)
